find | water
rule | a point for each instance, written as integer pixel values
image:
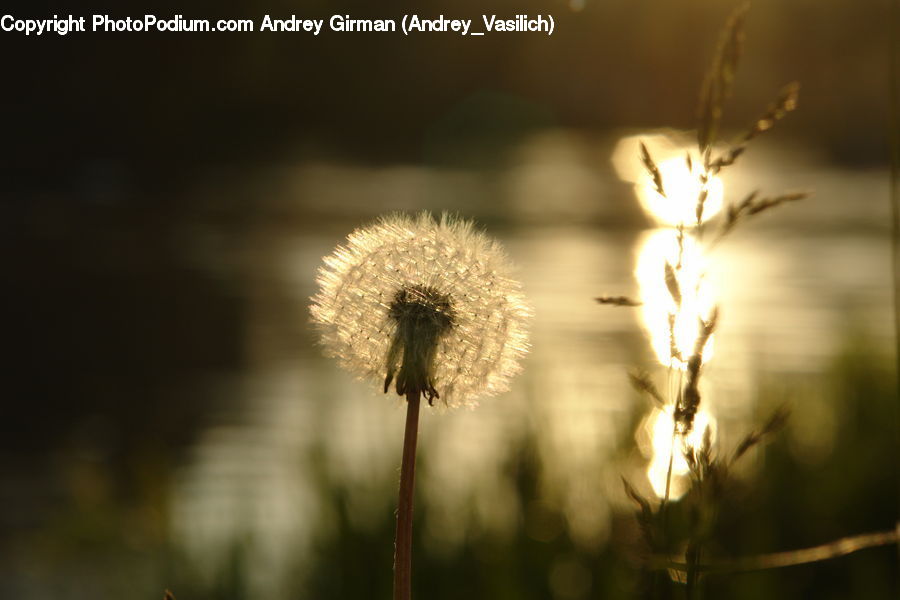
(792, 284)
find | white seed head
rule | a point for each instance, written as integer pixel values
(479, 314)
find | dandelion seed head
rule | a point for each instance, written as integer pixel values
(441, 272)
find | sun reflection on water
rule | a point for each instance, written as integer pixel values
(676, 292)
(682, 188)
(680, 168)
(289, 443)
(697, 295)
(655, 440)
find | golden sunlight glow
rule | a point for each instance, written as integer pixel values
(675, 292)
(655, 439)
(697, 295)
(681, 184)
(682, 188)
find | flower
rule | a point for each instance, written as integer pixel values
(426, 304)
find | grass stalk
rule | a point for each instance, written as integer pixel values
(789, 558)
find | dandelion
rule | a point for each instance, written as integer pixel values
(427, 306)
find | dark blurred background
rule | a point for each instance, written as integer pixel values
(169, 421)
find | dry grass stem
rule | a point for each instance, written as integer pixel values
(719, 80)
(653, 170)
(701, 199)
(752, 205)
(672, 284)
(617, 301)
(767, 203)
(644, 514)
(690, 399)
(640, 380)
(786, 102)
(775, 424)
(789, 558)
(674, 350)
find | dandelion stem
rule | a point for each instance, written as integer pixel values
(894, 65)
(403, 540)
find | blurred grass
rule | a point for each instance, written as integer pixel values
(785, 503)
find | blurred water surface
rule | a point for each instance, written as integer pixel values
(792, 284)
(286, 453)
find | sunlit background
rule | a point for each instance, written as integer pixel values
(171, 422)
